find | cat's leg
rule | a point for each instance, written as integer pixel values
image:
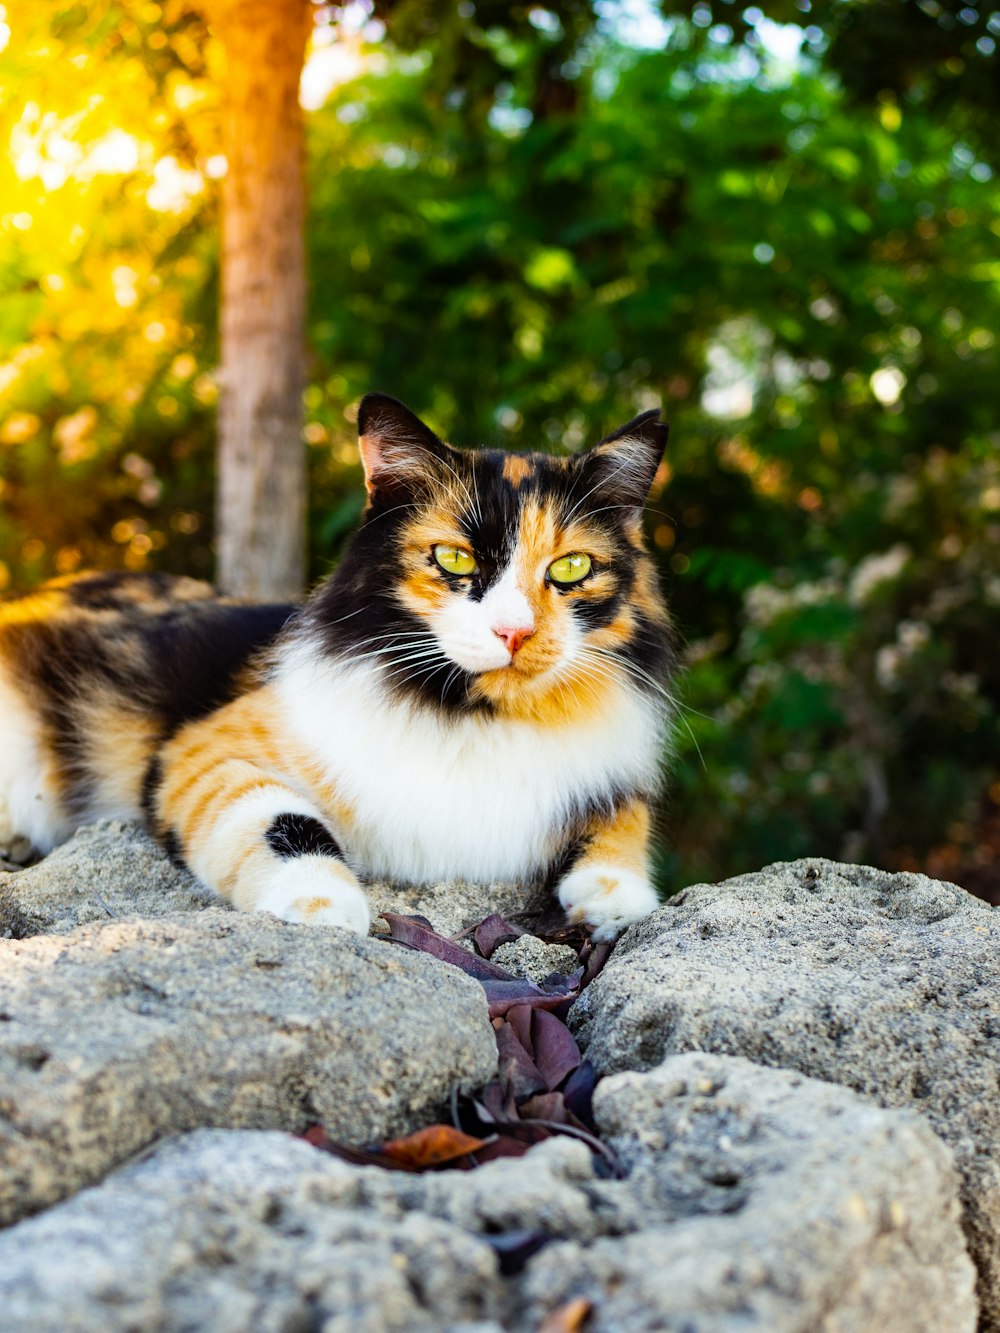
(32, 817)
(250, 836)
(608, 886)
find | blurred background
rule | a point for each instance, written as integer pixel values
(530, 222)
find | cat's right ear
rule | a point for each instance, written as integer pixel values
(398, 452)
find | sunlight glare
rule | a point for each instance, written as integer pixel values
(887, 384)
(173, 186)
(331, 61)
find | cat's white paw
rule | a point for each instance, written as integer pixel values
(607, 898)
(319, 890)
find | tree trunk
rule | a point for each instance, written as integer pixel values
(261, 486)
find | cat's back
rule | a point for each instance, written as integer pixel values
(98, 670)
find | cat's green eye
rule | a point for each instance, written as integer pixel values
(455, 559)
(570, 568)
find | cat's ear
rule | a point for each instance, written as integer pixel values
(623, 465)
(398, 451)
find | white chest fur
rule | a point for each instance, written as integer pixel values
(472, 798)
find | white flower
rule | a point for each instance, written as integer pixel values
(875, 570)
(764, 602)
(888, 661)
(912, 635)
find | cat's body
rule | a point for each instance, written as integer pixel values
(458, 701)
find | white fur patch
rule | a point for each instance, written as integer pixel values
(466, 797)
(607, 898)
(295, 890)
(29, 805)
(466, 630)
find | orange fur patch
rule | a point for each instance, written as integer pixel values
(620, 840)
(516, 468)
(309, 906)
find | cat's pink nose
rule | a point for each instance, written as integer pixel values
(513, 637)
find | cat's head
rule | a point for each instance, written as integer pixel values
(517, 582)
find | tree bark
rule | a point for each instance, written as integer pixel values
(261, 483)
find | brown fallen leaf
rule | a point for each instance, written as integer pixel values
(428, 1147)
(568, 1318)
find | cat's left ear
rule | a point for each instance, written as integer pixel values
(623, 465)
(398, 451)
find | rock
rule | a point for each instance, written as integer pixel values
(236, 1232)
(106, 871)
(119, 1033)
(530, 957)
(451, 908)
(750, 1193)
(771, 1201)
(884, 983)
(110, 870)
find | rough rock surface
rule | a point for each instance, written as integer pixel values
(236, 1232)
(110, 870)
(451, 908)
(759, 1199)
(884, 983)
(755, 1200)
(105, 871)
(134, 1006)
(531, 957)
(119, 1033)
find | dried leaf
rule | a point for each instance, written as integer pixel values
(519, 1017)
(503, 995)
(498, 1103)
(430, 1147)
(490, 1114)
(552, 927)
(578, 1093)
(553, 1048)
(546, 1106)
(413, 931)
(317, 1136)
(516, 1066)
(593, 957)
(503, 1145)
(493, 932)
(567, 1318)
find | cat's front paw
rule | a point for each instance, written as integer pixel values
(607, 898)
(319, 890)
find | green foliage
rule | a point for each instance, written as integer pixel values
(529, 230)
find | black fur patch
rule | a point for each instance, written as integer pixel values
(150, 791)
(171, 844)
(300, 835)
(173, 662)
(115, 590)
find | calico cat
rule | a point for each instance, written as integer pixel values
(474, 694)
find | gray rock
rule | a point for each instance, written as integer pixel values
(884, 983)
(451, 908)
(117, 1034)
(105, 871)
(239, 1233)
(755, 1200)
(530, 957)
(110, 870)
(771, 1202)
